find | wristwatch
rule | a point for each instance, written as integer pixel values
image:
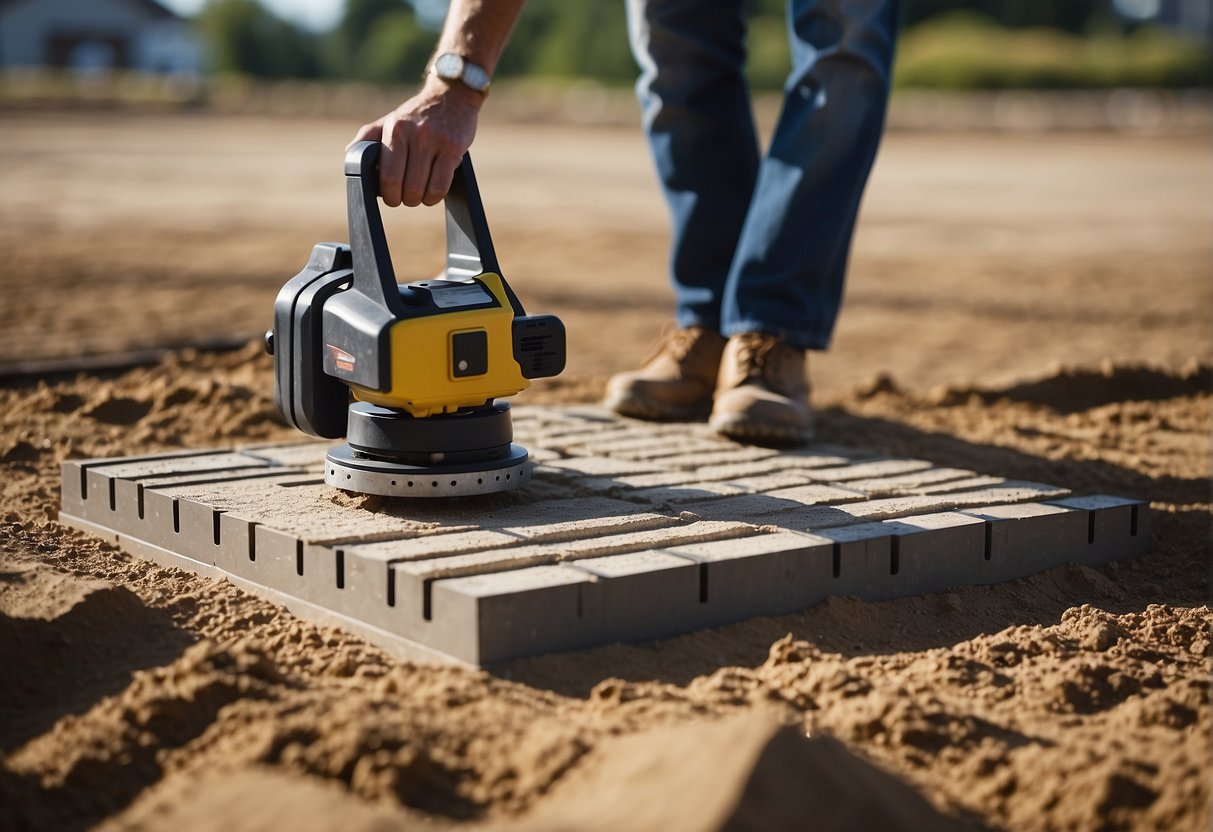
(450, 66)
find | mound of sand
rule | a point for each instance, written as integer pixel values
(746, 772)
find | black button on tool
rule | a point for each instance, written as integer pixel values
(469, 354)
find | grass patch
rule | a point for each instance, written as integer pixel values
(964, 51)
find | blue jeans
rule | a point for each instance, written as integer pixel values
(760, 243)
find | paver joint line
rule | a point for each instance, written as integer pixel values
(631, 531)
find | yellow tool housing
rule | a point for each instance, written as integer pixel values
(422, 378)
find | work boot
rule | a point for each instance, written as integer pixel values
(676, 381)
(762, 395)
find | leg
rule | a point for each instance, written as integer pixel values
(785, 285)
(701, 133)
(787, 276)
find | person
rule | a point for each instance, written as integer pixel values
(760, 241)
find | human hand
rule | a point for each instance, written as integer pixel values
(424, 140)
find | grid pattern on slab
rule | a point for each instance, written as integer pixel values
(628, 531)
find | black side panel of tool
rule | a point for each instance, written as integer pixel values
(539, 345)
(326, 258)
(321, 401)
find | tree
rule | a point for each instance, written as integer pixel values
(395, 50)
(243, 37)
(360, 18)
(380, 41)
(558, 38)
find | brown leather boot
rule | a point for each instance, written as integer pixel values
(762, 395)
(676, 381)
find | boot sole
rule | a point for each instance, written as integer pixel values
(634, 409)
(755, 432)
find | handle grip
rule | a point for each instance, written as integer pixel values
(469, 246)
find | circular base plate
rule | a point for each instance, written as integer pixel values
(350, 471)
(467, 436)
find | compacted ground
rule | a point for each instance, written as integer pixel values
(1032, 306)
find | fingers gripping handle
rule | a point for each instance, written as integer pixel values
(469, 246)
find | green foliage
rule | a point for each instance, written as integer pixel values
(562, 39)
(244, 38)
(361, 17)
(395, 49)
(380, 41)
(966, 51)
(769, 58)
(1074, 16)
(1034, 43)
(376, 40)
(559, 38)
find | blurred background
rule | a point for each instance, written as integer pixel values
(203, 45)
(1042, 196)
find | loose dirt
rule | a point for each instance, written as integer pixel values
(135, 696)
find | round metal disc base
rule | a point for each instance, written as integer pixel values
(351, 471)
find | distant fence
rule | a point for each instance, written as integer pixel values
(1148, 111)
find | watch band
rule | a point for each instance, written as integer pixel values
(451, 67)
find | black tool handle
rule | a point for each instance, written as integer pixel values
(469, 246)
(373, 273)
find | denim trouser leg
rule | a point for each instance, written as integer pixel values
(701, 133)
(787, 264)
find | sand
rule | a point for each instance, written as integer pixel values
(139, 697)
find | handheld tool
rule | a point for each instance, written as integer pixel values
(410, 374)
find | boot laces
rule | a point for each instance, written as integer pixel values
(755, 354)
(674, 342)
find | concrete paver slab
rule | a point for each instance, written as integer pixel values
(869, 470)
(629, 531)
(906, 483)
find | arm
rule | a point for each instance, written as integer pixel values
(424, 139)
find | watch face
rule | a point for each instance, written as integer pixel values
(449, 66)
(475, 77)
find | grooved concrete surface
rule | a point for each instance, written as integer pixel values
(628, 531)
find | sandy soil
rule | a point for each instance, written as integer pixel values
(140, 697)
(134, 230)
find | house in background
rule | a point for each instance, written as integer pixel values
(91, 36)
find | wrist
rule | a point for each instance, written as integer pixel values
(452, 92)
